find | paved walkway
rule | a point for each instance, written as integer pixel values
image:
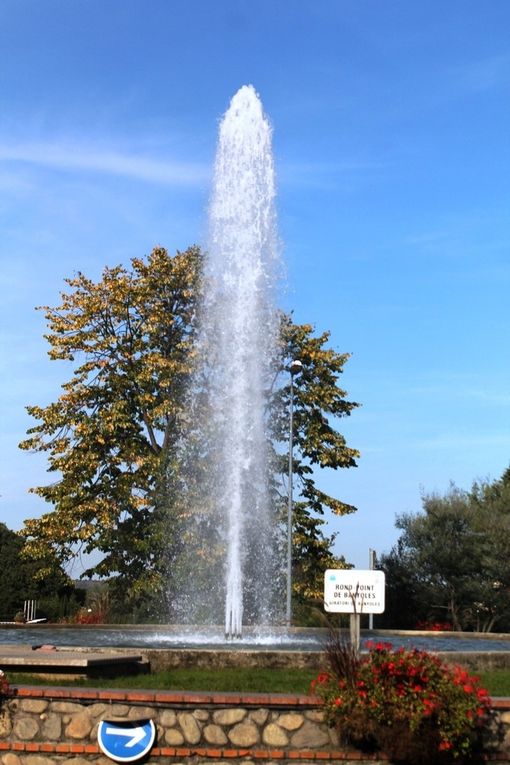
(71, 663)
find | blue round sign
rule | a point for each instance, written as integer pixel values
(126, 740)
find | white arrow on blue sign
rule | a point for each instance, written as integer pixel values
(126, 740)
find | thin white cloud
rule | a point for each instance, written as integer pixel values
(71, 157)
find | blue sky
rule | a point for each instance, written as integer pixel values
(391, 138)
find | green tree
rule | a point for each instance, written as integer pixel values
(14, 588)
(452, 561)
(490, 507)
(121, 438)
(20, 581)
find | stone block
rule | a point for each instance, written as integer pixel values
(37, 706)
(80, 726)
(51, 728)
(273, 735)
(244, 734)
(309, 736)
(259, 716)
(117, 710)
(229, 716)
(10, 759)
(291, 721)
(66, 707)
(174, 737)
(141, 713)
(190, 727)
(167, 718)
(214, 734)
(25, 728)
(98, 710)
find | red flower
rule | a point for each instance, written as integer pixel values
(429, 706)
(411, 686)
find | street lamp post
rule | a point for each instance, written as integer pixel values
(295, 368)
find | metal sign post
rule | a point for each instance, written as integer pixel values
(354, 631)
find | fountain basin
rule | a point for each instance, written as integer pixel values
(258, 640)
(171, 646)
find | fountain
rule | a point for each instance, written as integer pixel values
(237, 348)
(239, 337)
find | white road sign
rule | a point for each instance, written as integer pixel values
(353, 591)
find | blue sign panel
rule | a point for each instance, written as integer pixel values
(126, 740)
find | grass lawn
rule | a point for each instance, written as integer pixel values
(247, 680)
(497, 682)
(237, 680)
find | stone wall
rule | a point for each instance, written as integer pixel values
(162, 659)
(45, 726)
(57, 726)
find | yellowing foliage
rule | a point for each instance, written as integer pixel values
(114, 436)
(131, 335)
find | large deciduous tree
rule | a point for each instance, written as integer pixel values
(112, 434)
(118, 437)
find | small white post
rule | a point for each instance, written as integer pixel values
(29, 610)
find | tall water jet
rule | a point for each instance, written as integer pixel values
(238, 342)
